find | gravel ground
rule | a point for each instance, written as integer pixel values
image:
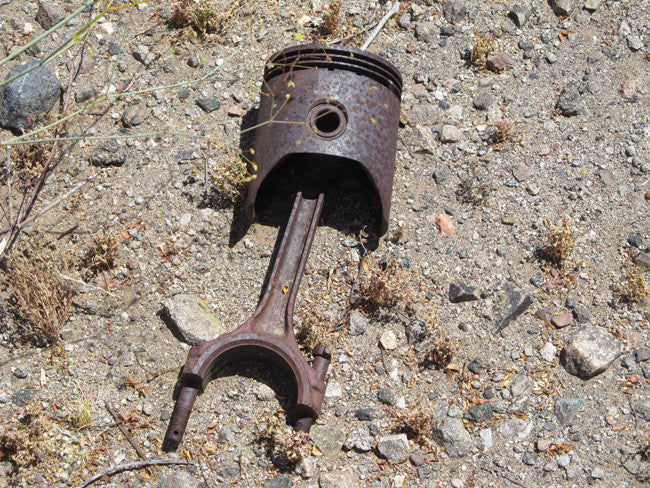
(547, 385)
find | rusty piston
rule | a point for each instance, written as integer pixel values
(333, 113)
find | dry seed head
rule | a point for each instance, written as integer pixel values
(635, 288)
(561, 241)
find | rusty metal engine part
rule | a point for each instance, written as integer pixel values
(334, 110)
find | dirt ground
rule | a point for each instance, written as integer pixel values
(551, 126)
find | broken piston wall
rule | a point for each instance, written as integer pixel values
(337, 104)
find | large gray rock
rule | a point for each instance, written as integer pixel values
(453, 436)
(454, 11)
(192, 319)
(359, 440)
(26, 98)
(394, 448)
(590, 351)
(109, 153)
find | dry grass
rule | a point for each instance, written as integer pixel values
(231, 178)
(204, 16)
(385, 286)
(81, 415)
(561, 241)
(37, 293)
(483, 47)
(635, 287)
(313, 331)
(101, 253)
(441, 352)
(415, 423)
(332, 18)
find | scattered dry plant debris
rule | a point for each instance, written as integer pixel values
(204, 16)
(313, 331)
(232, 178)
(441, 352)
(385, 286)
(415, 423)
(561, 241)
(473, 190)
(30, 161)
(81, 415)
(284, 446)
(101, 253)
(635, 287)
(483, 47)
(500, 133)
(38, 294)
(332, 18)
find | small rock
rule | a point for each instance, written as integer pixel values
(264, 393)
(20, 372)
(563, 460)
(306, 467)
(445, 225)
(454, 11)
(110, 153)
(365, 414)
(544, 314)
(328, 439)
(358, 323)
(48, 15)
(526, 45)
(333, 389)
(26, 98)
(563, 320)
(449, 133)
(570, 103)
(441, 174)
(593, 5)
(416, 331)
(132, 116)
(208, 105)
(360, 440)
(85, 93)
(179, 479)
(453, 436)
(426, 32)
(192, 319)
(597, 473)
(486, 438)
(590, 351)
(388, 340)
(236, 111)
(479, 413)
(517, 304)
(338, 479)
(483, 100)
(394, 448)
(500, 62)
(417, 458)
(537, 280)
(562, 8)
(642, 354)
(634, 42)
(460, 292)
(635, 240)
(142, 54)
(519, 15)
(566, 408)
(582, 315)
(387, 396)
(548, 352)
(543, 445)
(279, 482)
(521, 385)
(194, 61)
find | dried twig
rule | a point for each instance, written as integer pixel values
(70, 278)
(393, 10)
(125, 431)
(133, 466)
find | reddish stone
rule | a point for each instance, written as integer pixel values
(562, 320)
